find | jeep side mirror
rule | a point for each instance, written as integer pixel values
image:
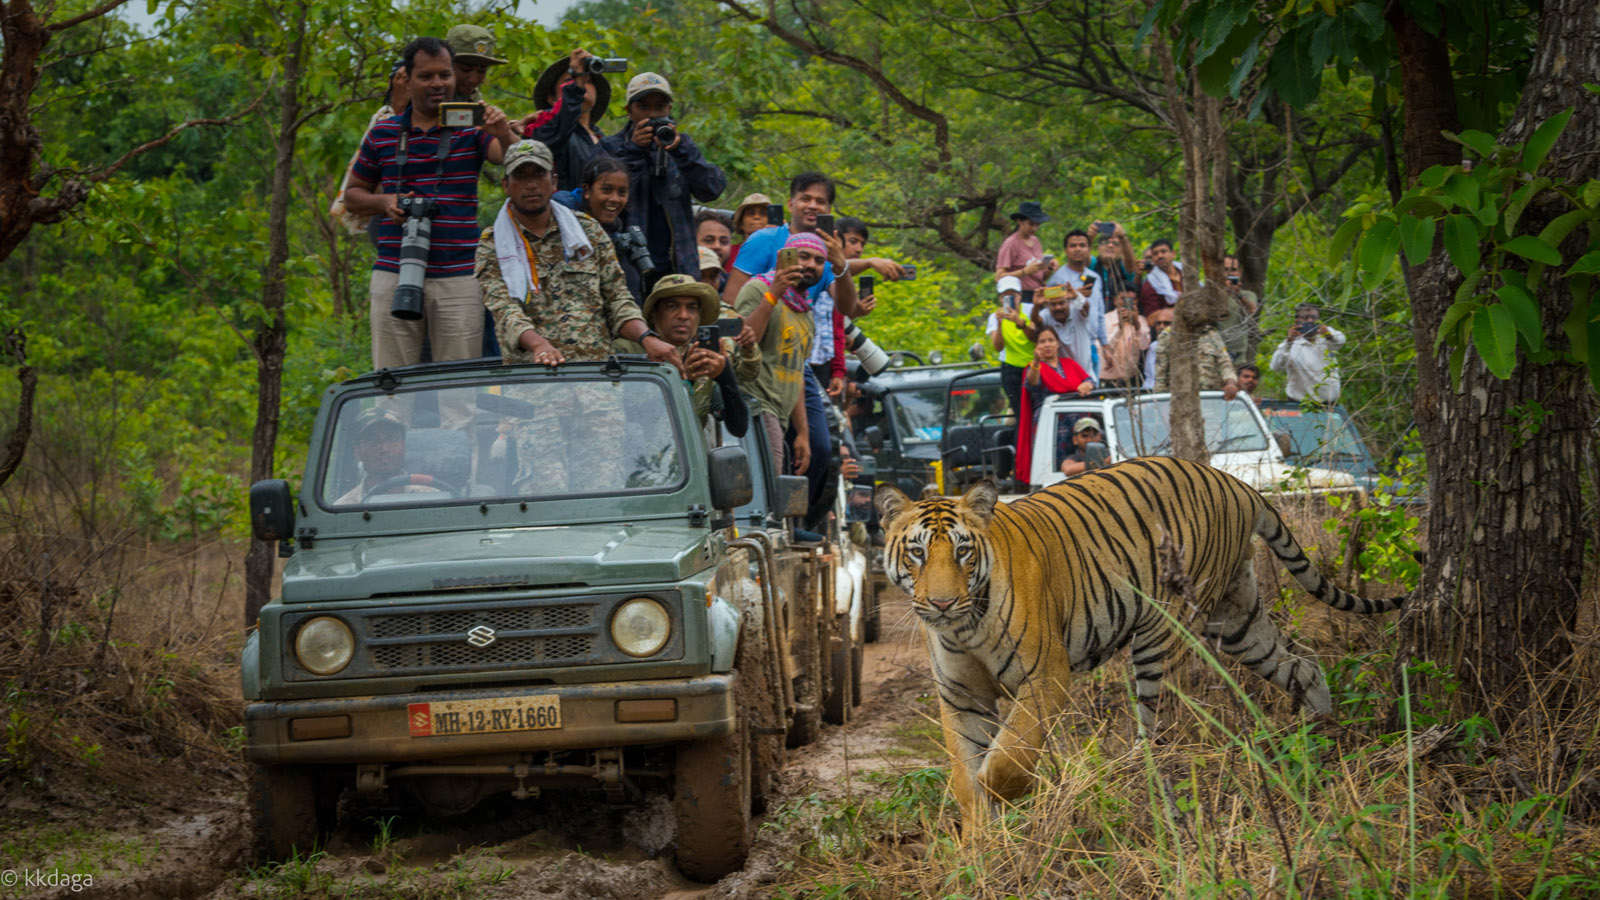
(794, 495)
(1096, 455)
(730, 477)
(874, 437)
(1282, 437)
(272, 510)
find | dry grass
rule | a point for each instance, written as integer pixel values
(1239, 797)
(118, 667)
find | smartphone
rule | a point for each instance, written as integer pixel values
(1106, 229)
(706, 336)
(1088, 282)
(911, 272)
(788, 258)
(825, 223)
(729, 327)
(774, 214)
(1009, 302)
(864, 286)
(1048, 258)
(460, 115)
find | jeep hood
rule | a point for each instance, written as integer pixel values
(1268, 475)
(489, 559)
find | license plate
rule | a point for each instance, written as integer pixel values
(487, 716)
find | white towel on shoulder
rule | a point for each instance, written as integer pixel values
(1163, 283)
(513, 253)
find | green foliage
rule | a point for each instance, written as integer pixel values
(1503, 267)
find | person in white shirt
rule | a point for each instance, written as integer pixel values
(1306, 357)
(1081, 283)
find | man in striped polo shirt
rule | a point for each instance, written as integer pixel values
(413, 154)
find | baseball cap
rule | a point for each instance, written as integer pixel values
(371, 418)
(528, 150)
(1086, 423)
(1008, 283)
(472, 44)
(645, 82)
(709, 260)
(684, 286)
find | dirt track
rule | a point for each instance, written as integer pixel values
(561, 846)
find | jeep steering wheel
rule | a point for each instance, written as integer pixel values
(395, 481)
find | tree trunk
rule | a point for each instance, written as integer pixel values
(1501, 584)
(271, 335)
(1253, 231)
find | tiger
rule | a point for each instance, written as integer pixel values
(1013, 597)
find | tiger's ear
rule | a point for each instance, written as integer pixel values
(891, 502)
(981, 499)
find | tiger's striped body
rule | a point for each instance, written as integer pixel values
(1015, 597)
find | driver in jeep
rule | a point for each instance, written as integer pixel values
(380, 448)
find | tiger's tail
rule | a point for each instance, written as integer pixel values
(1269, 525)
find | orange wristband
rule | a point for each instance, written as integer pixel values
(770, 299)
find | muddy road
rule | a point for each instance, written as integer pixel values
(563, 845)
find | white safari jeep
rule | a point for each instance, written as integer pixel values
(1139, 425)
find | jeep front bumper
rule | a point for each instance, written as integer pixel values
(377, 729)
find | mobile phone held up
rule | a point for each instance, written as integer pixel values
(707, 336)
(864, 286)
(788, 258)
(910, 270)
(774, 214)
(461, 115)
(825, 224)
(1106, 229)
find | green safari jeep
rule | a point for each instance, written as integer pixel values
(513, 579)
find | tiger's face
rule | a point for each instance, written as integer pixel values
(938, 550)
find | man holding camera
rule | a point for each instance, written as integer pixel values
(1306, 357)
(777, 308)
(666, 174)
(417, 166)
(1240, 320)
(1084, 329)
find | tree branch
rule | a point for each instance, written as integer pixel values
(80, 18)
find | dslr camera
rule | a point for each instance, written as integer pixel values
(595, 65)
(415, 239)
(630, 241)
(873, 359)
(664, 129)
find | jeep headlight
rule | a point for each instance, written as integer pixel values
(641, 626)
(324, 645)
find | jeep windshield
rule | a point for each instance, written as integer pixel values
(507, 439)
(1144, 426)
(919, 415)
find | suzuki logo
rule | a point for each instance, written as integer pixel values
(480, 636)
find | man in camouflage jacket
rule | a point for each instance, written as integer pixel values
(563, 297)
(1216, 365)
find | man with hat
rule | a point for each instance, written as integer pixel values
(380, 448)
(676, 310)
(550, 275)
(1022, 254)
(473, 49)
(1085, 431)
(665, 177)
(570, 101)
(711, 271)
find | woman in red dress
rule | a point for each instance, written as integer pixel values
(1047, 374)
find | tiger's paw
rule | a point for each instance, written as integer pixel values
(1000, 776)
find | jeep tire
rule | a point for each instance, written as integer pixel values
(711, 799)
(292, 810)
(871, 615)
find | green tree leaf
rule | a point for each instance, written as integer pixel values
(1589, 262)
(1477, 141)
(1463, 189)
(1494, 336)
(1529, 247)
(1524, 312)
(1342, 239)
(1519, 201)
(1557, 231)
(1461, 242)
(1416, 237)
(1544, 137)
(1456, 320)
(1378, 249)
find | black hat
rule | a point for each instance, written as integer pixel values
(1030, 209)
(544, 89)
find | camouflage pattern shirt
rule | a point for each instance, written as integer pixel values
(580, 305)
(1216, 366)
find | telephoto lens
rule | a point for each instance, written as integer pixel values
(631, 241)
(873, 359)
(415, 238)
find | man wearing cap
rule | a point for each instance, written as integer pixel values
(570, 101)
(1021, 254)
(777, 308)
(380, 448)
(550, 275)
(1085, 431)
(472, 47)
(1012, 331)
(677, 309)
(413, 154)
(664, 178)
(711, 271)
